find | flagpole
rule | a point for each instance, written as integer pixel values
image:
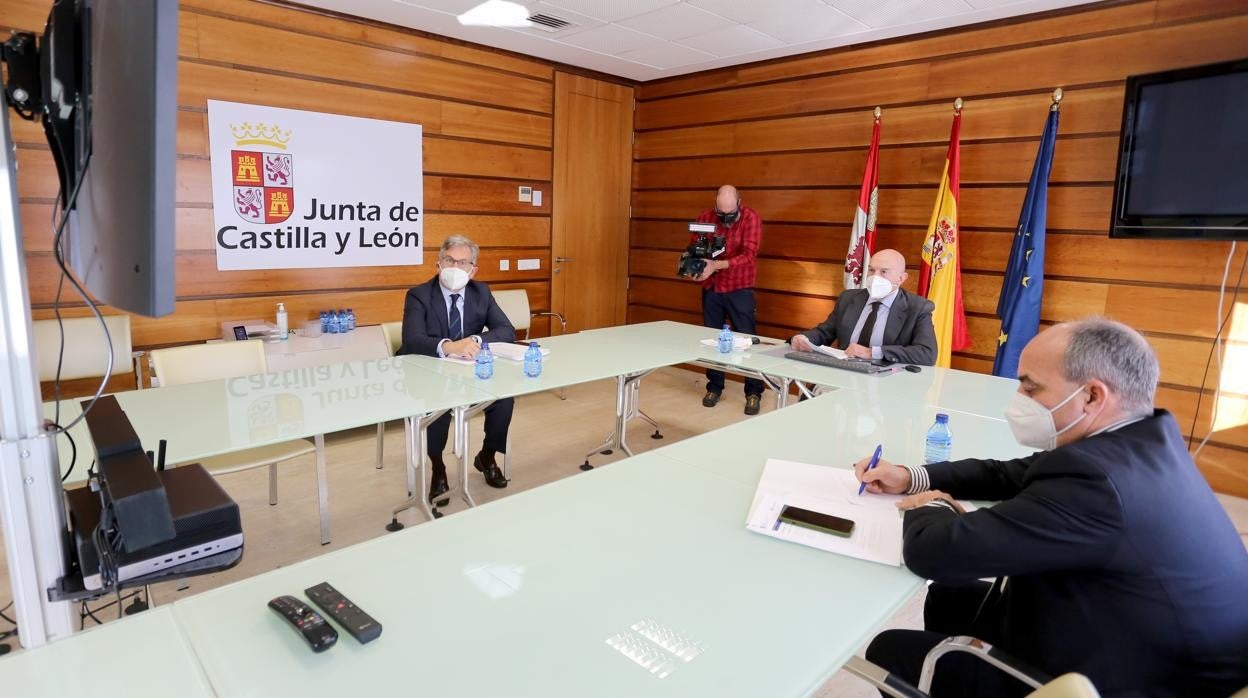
(878, 113)
(1057, 100)
(957, 106)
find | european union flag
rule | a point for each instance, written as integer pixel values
(1023, 289)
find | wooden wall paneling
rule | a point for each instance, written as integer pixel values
(231, 42)
(1098, 110)
(197, 83)
(1083, 160)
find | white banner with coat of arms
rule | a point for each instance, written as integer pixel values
(296, 189)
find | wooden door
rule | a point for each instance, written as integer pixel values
(592, 178)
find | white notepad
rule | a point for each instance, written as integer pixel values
(877, 522)
(829, 490)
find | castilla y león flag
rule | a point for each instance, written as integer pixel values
(862, 235)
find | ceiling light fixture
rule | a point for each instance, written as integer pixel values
(496, 13)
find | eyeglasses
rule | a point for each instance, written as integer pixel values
(465, 264)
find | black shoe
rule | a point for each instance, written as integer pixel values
(752, 404)
(493, 476)
(710, 399)
(438, 487)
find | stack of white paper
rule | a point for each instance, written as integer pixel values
(513, 352)
(739, 343)
(832, 351)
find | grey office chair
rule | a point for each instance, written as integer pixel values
(1065, 686)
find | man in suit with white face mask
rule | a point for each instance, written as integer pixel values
(452, 315)
(1111, 555)
(880, 321)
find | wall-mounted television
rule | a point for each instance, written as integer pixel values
(1183, 155)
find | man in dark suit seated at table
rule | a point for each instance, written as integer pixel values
(1111, 555)
(881, 321)
(452, 315)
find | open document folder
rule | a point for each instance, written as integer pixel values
(828, 490)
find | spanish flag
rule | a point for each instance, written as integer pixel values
(940, 277)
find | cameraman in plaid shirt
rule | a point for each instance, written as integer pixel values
(728, 284)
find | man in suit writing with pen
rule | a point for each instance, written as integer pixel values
(881, 321)
(1111, 555)
(452, 315)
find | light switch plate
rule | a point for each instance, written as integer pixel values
(526, 194)
(504, 265)
(537, 197)
(528, 264)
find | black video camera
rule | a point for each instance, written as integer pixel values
(706, 246)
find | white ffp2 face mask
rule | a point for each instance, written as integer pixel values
(1032, 422)
(877, 287)
(454, 278)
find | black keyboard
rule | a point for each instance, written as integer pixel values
(855, 365)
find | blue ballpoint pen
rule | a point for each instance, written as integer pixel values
(875, 460)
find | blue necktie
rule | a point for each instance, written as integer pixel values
(457, 323)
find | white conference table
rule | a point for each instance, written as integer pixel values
(524, 594)
(141, 655)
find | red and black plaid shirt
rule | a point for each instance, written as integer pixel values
(740, 250)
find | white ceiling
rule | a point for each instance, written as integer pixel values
(650, 39)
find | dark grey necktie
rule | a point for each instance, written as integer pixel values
(864, 337)
(457, 323)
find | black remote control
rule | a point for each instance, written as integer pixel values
(359, 624)
(310, 624)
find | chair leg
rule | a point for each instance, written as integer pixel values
(381, 443)
(272, 484)
(322, 488)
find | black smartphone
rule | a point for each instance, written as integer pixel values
(240, 333)
(815, 521)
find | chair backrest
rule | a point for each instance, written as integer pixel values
(195, 363)
(84, 347)
(393, 332)
(515, 305)
(1067, 686)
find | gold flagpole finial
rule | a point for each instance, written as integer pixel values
(1057, 99)
(957, 105)
(877, 113)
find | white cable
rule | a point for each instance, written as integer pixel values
(1217, 393)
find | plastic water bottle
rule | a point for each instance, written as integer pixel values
(725, 340)
(533, 361)
(324, 322)
(283, 322)
(333, 322)
(350, 320)
(485, 362)
(939, 441)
